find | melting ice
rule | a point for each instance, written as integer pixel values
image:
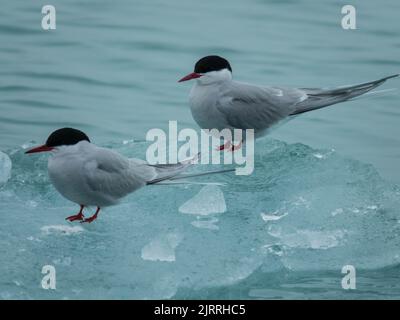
(298, 212)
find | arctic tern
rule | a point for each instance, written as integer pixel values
(218, 102)
(93, 176)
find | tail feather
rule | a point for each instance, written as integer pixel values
(320, 98)
(206, 173)
(185, 176)
(172, 172)
(168, 171)
(171, 180)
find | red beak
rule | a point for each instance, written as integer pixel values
(42, 148)
(191, 76)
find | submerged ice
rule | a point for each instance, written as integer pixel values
(210, 199)
(302, 209)
(162, 248)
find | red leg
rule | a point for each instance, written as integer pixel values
(78, 216)
(237, 147)
(93, 217)
(227, 145)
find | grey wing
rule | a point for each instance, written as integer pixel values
(247, 106)
(113, 176)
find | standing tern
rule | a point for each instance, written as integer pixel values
(92, 176)
(218, 102)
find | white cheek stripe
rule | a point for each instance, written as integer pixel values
(215, 76)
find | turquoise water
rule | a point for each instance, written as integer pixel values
(329, 178)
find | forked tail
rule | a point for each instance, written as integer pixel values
(320, 98)
(173, 172)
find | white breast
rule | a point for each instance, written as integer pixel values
(67, 173)
(203, 100)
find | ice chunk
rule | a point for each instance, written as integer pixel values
(162, 248)
(206, 224)
(337, 211)
(119, 256)
(313, 239)
(61, 229)
(5, 168)
(209, 200)
(319, 156)
(273, 216)
(274, 249)
(65, 261)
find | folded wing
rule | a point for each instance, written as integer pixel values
(247, 106)
(114, 176)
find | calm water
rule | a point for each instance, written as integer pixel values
(111, 69)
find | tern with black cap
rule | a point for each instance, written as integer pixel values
(218, 102)
(93, 176)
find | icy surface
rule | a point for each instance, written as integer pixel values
(5, 168)
(61, 229)
(283, 232)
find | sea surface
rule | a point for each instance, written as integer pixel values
(325, 192)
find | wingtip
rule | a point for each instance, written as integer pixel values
(392, 76)
(387, 78)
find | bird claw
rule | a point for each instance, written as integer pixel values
(89, 220)
(230, 147)
(92, 218)
(227, 145)
(237, 147)
(75, 217)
